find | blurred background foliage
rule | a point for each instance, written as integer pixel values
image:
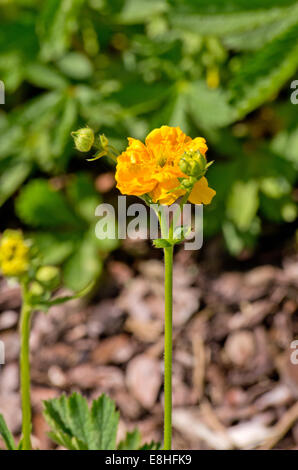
(218, 68)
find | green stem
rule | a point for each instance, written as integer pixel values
(25, 322)
(178, 213)
(168, 254)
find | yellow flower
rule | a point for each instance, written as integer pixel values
(153, 168)
(14, 253)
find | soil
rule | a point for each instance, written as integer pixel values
(235, 382)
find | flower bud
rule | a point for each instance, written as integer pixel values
(36, 289)
(104, 141)
(184, 166)
(193, 164)
(83, 139)
(201, 164)
(187, 183)
(49, 276)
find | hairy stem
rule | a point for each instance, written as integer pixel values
(168, 257)
(25, 322)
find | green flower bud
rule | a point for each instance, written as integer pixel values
(187, 183)
(201, 164)
(193, 164)
(36, 289)
(195, 169)
(49, 276)
(184, 166)
(83, 139)
(104, 141)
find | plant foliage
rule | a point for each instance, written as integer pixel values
(77, 427)
(219, 68)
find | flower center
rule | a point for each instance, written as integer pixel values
(162, 161)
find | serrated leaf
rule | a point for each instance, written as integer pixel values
(74, 425)
(161, 243)
(151, 446)
(6, 434)
(131, 442)
(105, 419)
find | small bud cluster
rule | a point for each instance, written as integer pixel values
(19, 260)
(84, 140)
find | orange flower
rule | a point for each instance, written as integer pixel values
(154, 169)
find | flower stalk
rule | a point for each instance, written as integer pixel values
(168, 166)
(25, 322)
(168, 260)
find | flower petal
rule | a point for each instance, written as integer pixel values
(201, 193)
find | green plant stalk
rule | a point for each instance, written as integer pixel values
(25, 322)
(168, 259)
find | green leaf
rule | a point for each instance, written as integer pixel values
(46, 304)
(12, 177)
(83, 196)
(151, 446)
(76, 65)
(84, 265)
(264, 73)
(40, 106)
(243, 203)
(44, 76)
(285, 143)
(74, 426)
(210, 108)
(140, 11)
(57, 23)
(105, 419)
(257, 38)
(221, 22)
(6, 434)
(161, 243)
(54, 247)
(40, 205)
(229, 6)
(65, 124)
(11, 32)
(180, 233)
(57, 413)
(131, 442)
(237, 240)
(174, 113)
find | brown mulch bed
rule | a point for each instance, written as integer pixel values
(234, 385)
